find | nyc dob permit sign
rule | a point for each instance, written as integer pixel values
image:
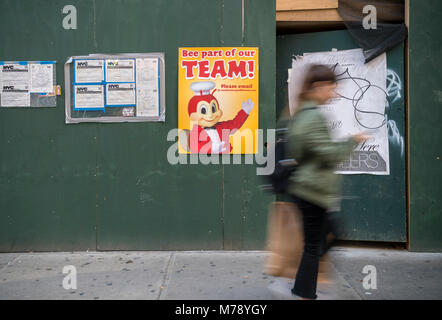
(218, 90)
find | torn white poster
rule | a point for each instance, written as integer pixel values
(89, 71)
(359, 107)
(15, 74)
(15, 96)
(120, 94)
(88, 97)
(121, 70)
(42, 78)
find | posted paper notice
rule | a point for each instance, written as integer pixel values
(120, 94)
(147, 70)
(89, 97)
(89, 71)
(121, 70)
(15, 96)
(147, 87)
(15, 74)
(42, 78)
(147, 101)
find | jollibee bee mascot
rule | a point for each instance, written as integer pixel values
(207, 133)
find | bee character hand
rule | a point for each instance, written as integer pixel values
(247, 106)
(218, 147)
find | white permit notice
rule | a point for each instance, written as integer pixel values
(15, 96)
(147, 70)
(89, 71)
(121, 70)
(88, 97)
(147, 102)
(120, 94)
(147, 87)
(15, 74)
(42, 78)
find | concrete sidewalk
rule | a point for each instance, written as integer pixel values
(211, 275)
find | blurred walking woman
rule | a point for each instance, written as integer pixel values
(314, 187)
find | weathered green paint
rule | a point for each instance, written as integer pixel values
(373, 207)
(425, 134)
(47, 182)
(260, 31)
(109, 186)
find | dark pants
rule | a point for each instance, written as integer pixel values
(315, 245)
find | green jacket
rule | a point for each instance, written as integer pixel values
(309, 142)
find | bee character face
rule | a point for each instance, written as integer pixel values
(206, 110)
(209, 113)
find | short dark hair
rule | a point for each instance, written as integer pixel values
(316, 73)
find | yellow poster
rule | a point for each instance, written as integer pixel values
(218, 100)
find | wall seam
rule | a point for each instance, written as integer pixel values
(96, 138)
(242, 24)
(222, 164)
(95, 26)
(242, 162)
(96, 188)
(407, 126)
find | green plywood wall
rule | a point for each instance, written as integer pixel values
(425, 134)
(109, 186)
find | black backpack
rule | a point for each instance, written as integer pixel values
(278, 180)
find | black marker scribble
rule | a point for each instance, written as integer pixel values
(362, 89)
